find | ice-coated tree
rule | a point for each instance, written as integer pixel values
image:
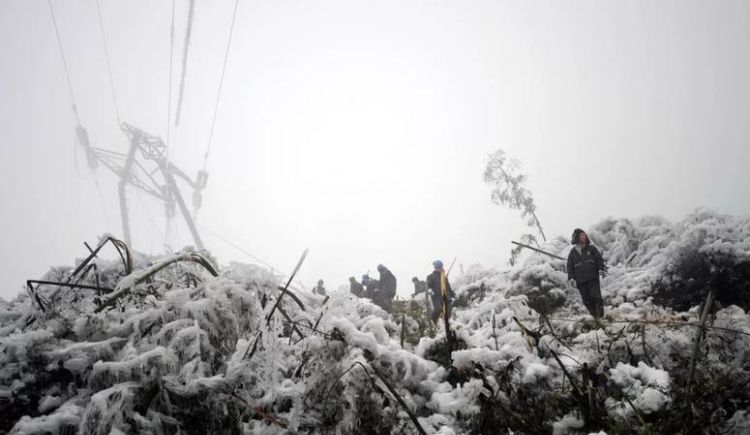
(503, 175)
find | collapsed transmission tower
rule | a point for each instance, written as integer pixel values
(140, 167)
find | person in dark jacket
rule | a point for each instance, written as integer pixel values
(371, 286)
(356, 288)
(419, 286)
(438, 283)
(319, 289)
(585, 263)
(387, 288)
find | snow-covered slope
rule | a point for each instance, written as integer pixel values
(182, 351)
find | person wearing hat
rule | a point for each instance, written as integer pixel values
(437, 281)
(585, 263)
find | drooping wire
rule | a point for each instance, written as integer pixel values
(221, 83)
(64, 62)
(185, 49)
(170, 144)
(273, 269)
(109, 65)
(75, 113)
(169, 90)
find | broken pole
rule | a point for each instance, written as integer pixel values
(286, 287)
(523, 245)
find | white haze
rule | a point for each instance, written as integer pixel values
(359, 129)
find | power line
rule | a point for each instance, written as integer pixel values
(169, 90)
(221, 83)
(109, 65)
(75, 111)
(273, 269)
(237, 247)
(185, 49)
(65, 63)
(170, 144)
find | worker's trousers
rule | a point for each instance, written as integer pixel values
(592, 297)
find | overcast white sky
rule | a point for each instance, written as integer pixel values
(359, 129)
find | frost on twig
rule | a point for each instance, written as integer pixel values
(508, 189)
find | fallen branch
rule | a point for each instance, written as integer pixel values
(262, 412)
(523, 245)
(573, 382)
(526, 331)
(549, 325)
(32, 290)
(399, 399)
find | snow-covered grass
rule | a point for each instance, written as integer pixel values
(171, 356)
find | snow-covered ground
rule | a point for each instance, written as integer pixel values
(182, 351)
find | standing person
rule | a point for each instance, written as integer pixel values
(387, 288)
(319, 289)
(419, 286)
(356, 288)
(371, 286)
(584, 265)
(442, 294)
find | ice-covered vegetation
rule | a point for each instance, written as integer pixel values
(173, 349)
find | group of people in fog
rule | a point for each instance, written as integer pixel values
(584, 266)
(382, 290)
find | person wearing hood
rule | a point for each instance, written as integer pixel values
(585, 263)
(438, 283)
(387, 288)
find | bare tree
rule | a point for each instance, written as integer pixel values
(507, 183)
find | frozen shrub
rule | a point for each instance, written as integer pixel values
(472, 293)
(544, 287)
(617, 239)
(687, 281)
(510, 403)
(716, 396)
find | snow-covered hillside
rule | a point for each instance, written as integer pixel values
(174, 349)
